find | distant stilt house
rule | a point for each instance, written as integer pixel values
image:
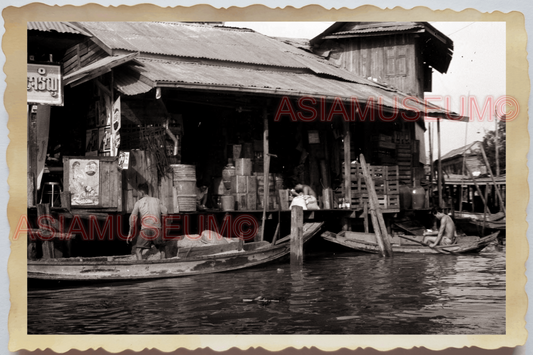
(461, 160)
(467, 183)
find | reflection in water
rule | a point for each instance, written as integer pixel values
(346, 293)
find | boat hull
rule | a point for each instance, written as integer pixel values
(372, 247)
(123, 268)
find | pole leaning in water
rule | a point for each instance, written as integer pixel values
(380, 228)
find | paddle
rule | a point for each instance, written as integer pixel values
(427, 245)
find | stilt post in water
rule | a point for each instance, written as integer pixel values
(502, 202)
(365, 216)
(380, 229)
(297, 222)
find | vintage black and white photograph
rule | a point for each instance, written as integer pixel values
(298, 178)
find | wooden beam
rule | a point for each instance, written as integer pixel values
(478, 191)
(347, 163)
(266, 170)
(297, 221)
(365, 215)
(32, 156)
(380, 228)
(102, 87)
(502, 202)
(439, 167)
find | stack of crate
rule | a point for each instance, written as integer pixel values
(404, 157)
(386, 184)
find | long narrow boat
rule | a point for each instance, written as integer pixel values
(366, 242)
(470, 222)
(189, 262)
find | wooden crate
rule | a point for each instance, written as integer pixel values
(359, 200)
(386, 202)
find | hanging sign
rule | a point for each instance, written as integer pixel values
(45, 84)
(115, 127)
(124, 160)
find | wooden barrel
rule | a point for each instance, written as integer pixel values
(185, 185)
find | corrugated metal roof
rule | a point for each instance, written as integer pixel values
(468, 149)
(61, 27)
(378, 27)
(213, 43)
(192, 41)
(101, 66)
(129, 85)
(193, 75)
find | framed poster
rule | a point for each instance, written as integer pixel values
(84, 182)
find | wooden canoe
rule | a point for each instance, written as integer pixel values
(122, 267)
(366, 242)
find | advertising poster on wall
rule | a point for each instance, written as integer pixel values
(84, 181)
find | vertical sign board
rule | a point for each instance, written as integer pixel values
(115, 127)
(45, 85)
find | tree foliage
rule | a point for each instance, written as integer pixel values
(489, 145)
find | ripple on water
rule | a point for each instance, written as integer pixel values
(349, 294)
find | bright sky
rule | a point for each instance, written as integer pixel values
(477, 69)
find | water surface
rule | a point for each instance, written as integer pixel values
(334, 293)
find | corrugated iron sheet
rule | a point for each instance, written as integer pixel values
(380, 27)
(460, 151)
(192, 41)
(103, 65)
(61, 27)
(214, 43)
(128, 84)
(192, 75)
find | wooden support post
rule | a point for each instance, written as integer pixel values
(461, 197)
(347, 164)
(496, 143)
(382, 237)
(502, 202)
(297, 222)
(439, 167)
(478, 191)
(32, 157)
(43, 214)
(431, 161)
(365, 215)
(266, 170)
(485, 212)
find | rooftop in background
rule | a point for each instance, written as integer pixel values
(60, 27)
(439, 46)
(469, 149)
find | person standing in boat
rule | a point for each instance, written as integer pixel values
(446, 233)
(150, 211)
